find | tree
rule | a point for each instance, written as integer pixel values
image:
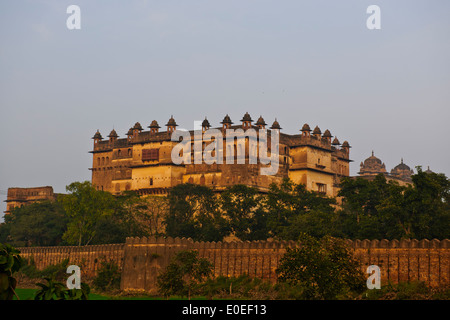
(183, 273)
(193, 213)
(324, 268)
(85, 206)
(37, 224)
(292, 209)
(244, 210)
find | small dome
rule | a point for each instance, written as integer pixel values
(113, 134)
(401, 167)
(137, 126)
(205, 123)
(372, 166)
(346, 144)
(154, 124)
(428, 170)
(171, 122)
(335, 142)
(317, 130)
(260, 121)
(97, 135)
(402, 171)
(327, 134)
(130, 132)
(227, 120)
(275, 125)
(247, 117)
(306, 127)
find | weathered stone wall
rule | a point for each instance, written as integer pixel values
(88, 258)
(405, 260)
(141, 259)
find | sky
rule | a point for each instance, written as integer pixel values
(314, 61)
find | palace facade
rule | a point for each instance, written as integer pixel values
(142, 160)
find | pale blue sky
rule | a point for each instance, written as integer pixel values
(311, 61)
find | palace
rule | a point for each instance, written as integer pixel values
(142, 160)
(373, 166)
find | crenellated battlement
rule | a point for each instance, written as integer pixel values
(142, 259)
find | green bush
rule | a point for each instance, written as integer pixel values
(10, 263)
(415, 290)
(323, 269)
(54, 290)
(108, 277)
(57, 271)
(183, 274)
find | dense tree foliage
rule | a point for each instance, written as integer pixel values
(381, 209)
(37, 224)
(374, 209)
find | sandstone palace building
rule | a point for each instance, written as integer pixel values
(142, 160)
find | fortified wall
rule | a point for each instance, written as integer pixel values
(141, 259)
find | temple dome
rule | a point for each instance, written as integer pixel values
(402, 171)
(372, 165)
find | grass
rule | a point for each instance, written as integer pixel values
(28, 294)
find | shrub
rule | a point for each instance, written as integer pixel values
(323, 269)
(108, 277)
(184, 272)
(54, 290)
(10, 263)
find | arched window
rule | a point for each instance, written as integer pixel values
(103, 161)
(129, 152)
(202, 180)
(98, 161)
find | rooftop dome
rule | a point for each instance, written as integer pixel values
(137, 126)
(317, 130)
(306, 127)
(247, 117)
(345, 144)
(171, 122)
(226, 119)
(402, 171)
(275, 125)
(97, 135)
(260, 121)
(335, 142)
(154, 124)
(113, 134)
(205, 123)
(327, 134)
(372, 165)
